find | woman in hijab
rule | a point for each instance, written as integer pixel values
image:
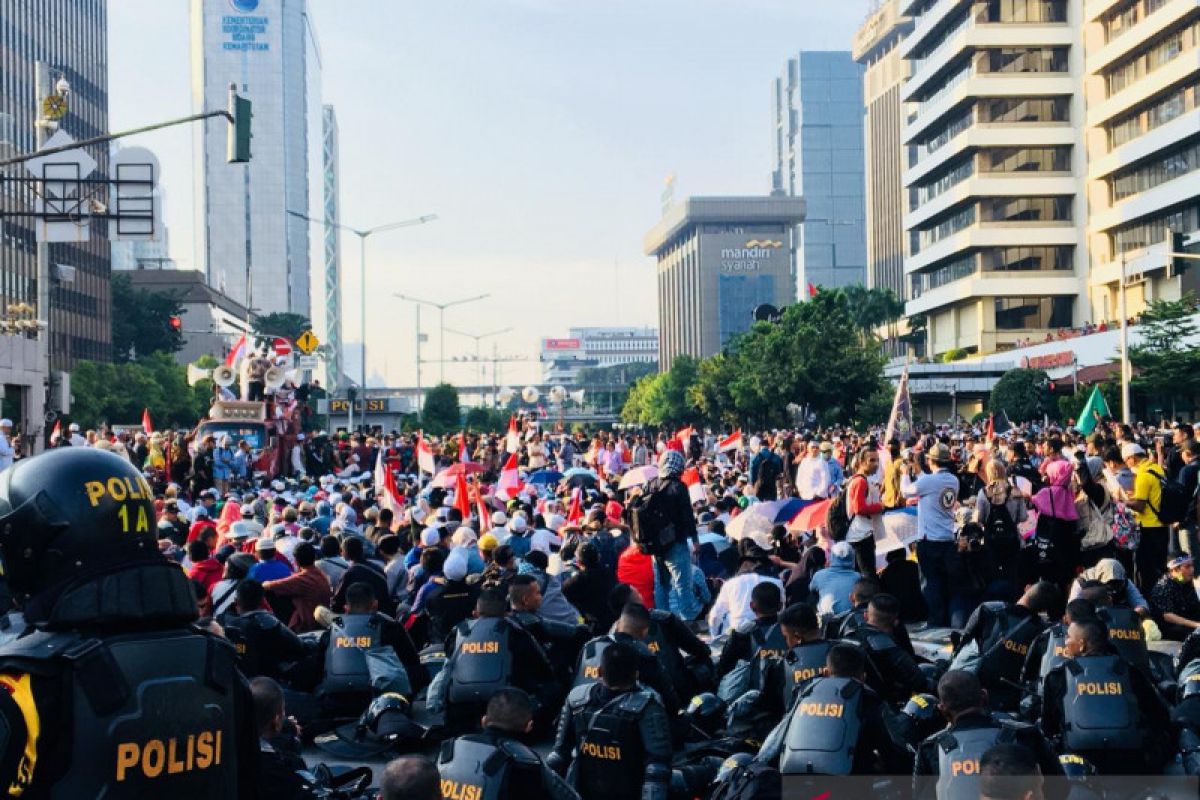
(231, 512)
(1057, 536)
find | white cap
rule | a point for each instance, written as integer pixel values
(1131, 449)
(499, 518)
(430, 537)
(5, 423)
(464, 536)
(518, 524)
(74, 426)
(455, 568)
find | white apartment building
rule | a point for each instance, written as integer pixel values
(996, 211)
(1142, 87)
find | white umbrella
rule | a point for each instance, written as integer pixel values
(749, 525)
(638, 476)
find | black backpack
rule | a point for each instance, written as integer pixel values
(650, 527)
(837, 518)
(753, 781)
(769, 470)
(1000, 531)
(1174, 502)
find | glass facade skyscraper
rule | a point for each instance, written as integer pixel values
(818, 148)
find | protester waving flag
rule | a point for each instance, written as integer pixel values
(1095, 410)
(900, 422)
(425, 461)
(509, 485)
(731, 442)
(512, 441)
(691, 479)
(147, 426)
(237, 352)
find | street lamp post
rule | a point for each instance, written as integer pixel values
(362, 234)
(441, 307)
(478, 353)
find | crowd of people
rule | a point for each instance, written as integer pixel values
(608, 595)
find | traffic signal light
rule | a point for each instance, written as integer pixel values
(238, 142)
(176, 324)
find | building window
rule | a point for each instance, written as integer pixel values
(1026, 209)
(1023, 59)
(948, 179)
(1177, 103)
(1025, 109)
(939, 140)
(926, 237)
(947, 273)
(1153, 230)
(1141, 65)
(1027, 159)
(1032, 313)
(1024, 11)
(1155, 173)
(1026, 259)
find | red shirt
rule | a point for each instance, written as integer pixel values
(637, 569)
(207, 572)
(856, 499)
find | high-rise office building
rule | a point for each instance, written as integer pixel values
(246, 242)
(332, 249)
(69, 38)
(818, 104)
(563, 359)
(1143, 141)
(877, 49)
(996, 209)
(718, 259)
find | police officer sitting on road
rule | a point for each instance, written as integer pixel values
(669, 638)
(947, 764)
(759, 638)
(263, 643)
(996, 641)
(113, 692)
(346, 686)
(836, 726)
(1010, 772)
(492, 763)
(840, 626)
(489, 653)
(1100, 708)
(1049, 648)
(892, 671)
(561, 641)
(630, 629)
(279, 765)
(613, 740)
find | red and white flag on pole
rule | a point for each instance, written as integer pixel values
(691, 479)
(575, 512)
(147, 426)
(425, 462)
(462, 497)
(684, 435)
(485, 516)
(386, 491)
(56, 434)
(512, 442)
(238, 351)
(509, 485)
(731, 442)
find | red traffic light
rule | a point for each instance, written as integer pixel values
(1052, 386)
(176, 323)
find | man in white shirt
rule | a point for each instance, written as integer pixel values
(732, 606)
(7, 451)
(812, 476)
(76, 438)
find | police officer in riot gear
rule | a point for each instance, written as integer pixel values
(263, 643)
(841, 626)
(759, 638)
(1049, 648)
(345, 687)
(947, 763)
(669, 639)
(113, 691)
(613, 740)
(561, 641)
(1099, 707)
(630, 629)
(892, 671)
(836, 726)
(492, 764)
(996, 641)
(489, 653)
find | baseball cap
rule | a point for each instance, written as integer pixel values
(488, 542)
(264, 543)
(939, 453)
(1131, 449)
(430, 537)
(1179, 561)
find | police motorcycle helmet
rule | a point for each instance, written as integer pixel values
(706, 713)
(731, 766)
(74, 514)
(921, 718)
(386, 724)
(1077, 768)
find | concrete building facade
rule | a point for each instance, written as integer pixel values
(563, 358)
(818, 147)
(996, 211)
(718, 258)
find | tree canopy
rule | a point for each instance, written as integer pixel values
(282, 323)
(141, 320)
(1017, 393)
(440, 412)
(117, 393)
(1167, 367)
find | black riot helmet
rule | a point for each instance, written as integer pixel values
(706, 712)
(920, 718)
(70, 512)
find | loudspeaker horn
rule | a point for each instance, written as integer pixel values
(558, 394)
(196, 374)
(577, 396)
(273, 379)
(530, 394)
(506, 395)
(223, 376)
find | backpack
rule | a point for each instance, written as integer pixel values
(1174, 501)
(1000, 531)
(769, 470)
(756, 780)
(837, 518)
(1125, 530)
(650, 527)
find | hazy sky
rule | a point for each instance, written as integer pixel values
(539, 131)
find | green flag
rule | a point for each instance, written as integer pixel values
(1095, 410)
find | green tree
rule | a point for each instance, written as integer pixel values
(636, 410)
(670, 401)
(710, 393)
(1017, 393)
(441, 412)
(282, 323)
(1070, 405)
(877, 408)
(608, 387)
(117, 393)
(1166, 368)
(486, 420)
(141, 320)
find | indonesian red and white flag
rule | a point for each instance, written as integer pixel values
(731, 442)
(386, 491)
(485, 516)
(56, 433)
(425, 461)
(238, 351)
(691, 479)
(462, 497)
(512, 442)
(684, 435)
(509, 485)
(575, 512)
(147, 426)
